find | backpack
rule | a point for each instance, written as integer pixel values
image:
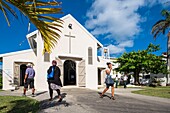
(51, 75)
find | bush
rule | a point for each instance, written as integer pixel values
(155, 82)
(0, 81)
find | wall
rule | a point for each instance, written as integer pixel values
(8, 66)
(79, 47)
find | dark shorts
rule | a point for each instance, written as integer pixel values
(29, 82)
(108, 85)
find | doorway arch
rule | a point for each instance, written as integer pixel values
(69, 72)
(23, 68)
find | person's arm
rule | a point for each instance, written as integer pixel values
(49, 70)
(26, 75)
(34, 73)
(108, 71)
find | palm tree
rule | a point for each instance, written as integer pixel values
(160, 27)
(37, 12)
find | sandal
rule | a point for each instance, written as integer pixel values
(60, 100)
(50, 99)
(101, 96)
(112, 97)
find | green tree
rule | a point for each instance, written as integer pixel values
(37, 12)
(142, 61)
(160, 27)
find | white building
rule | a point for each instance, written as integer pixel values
(76, 54)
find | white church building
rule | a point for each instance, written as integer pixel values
(76, 54)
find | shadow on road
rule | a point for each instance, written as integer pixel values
(40, 93)
(45, 104)
(104, 95)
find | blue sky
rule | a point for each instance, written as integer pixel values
(121, 25)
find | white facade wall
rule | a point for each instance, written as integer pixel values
(8, 66)
(79, 47)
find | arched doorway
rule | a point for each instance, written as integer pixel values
(23, 68)
(69, 72)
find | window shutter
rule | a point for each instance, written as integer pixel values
(46, 57)
(90, 56)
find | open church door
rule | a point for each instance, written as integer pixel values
(81, 73)
(16, 75)
(60, 65)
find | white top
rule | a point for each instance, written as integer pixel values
(125, 78)
(111, 72)
(116, 78)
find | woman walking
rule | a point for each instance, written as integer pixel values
(54, 81)
(109, 81)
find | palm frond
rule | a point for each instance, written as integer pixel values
(38, 12)
(4, 7)
(162, 25)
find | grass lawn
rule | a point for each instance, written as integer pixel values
(163, 92)
(16, 104)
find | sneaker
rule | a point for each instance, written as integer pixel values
(24, 95)
(33, 95)
(50, 99)
(60, 100)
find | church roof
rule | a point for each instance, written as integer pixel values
(16, 52)
(82, 27)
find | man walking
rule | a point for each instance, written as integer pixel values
(29, 79)
(125, 80)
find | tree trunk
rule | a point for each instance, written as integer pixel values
(136, 77)
(168, 54)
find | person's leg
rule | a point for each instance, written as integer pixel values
(50, 92)
(59, 95)
(24, 93)
(25, 88)
(124, 84)
(32, 86)
(104, 91)
(116, 84)
(113, 90)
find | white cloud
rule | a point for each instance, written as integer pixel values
(115, 49)
(117, 20)
(128, 43)
(115, 17)
(120, 48)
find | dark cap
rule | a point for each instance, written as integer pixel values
(54, 61)
(108, 63)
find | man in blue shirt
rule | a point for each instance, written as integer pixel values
(29, 79)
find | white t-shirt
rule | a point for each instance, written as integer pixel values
(116, 78)
(125, 78)
(111, 72)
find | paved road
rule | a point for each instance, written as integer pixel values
(88, 101)
(81, 100)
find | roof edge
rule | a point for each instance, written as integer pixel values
(16, 52)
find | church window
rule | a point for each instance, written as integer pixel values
(46, 57)
(90, 56)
